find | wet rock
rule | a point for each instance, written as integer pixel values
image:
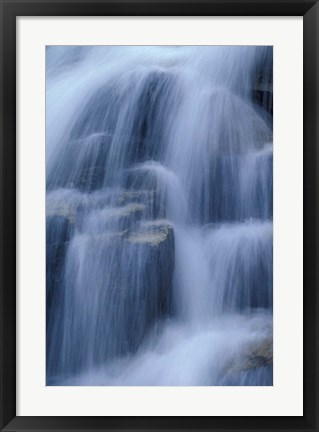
(148, 180)
(89, 179)
(124, 211)
(132, 196)
(58, 234)
(122, 217)
(153, 233)
(152, 246)
(259, 376)
(127, 198)
(263, 90)
(65, 203)
(103, 211)
(133, 274)
(252, 366)
(59, 230)
(246, 193)
(110, 236)
(66, 211)
(154, 102)
(254, 356)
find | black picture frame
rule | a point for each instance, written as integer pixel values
(10, 9)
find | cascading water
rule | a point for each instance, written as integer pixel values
(159, 215)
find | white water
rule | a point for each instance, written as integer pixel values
(159, 216)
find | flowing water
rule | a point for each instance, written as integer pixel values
(159, 215)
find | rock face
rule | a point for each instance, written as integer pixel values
(132, 261)
(121, 217)
(156, 240)
(58, 233)
(153, 233)
(254, 356)
(152, 246)
(263, 90)
(141, 290)
(253, 366)
(64, 211)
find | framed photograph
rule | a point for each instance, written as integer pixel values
(159, 215)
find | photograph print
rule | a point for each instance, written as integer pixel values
(159, 210)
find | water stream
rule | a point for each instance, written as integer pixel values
(159, 215)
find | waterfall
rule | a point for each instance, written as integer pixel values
(159, 206)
